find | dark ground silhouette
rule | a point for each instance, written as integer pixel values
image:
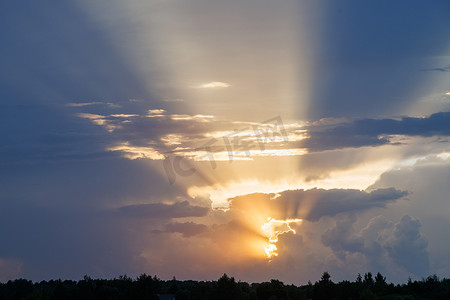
(148, 287)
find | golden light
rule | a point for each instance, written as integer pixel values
(270, 250)
(272, 229)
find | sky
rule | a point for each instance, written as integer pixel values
(191, 138)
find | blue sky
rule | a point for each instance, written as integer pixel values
(160, 137)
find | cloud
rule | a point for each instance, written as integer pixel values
(57, 205)
(342, 239)
(135, 152)
(81, 104)
(186, 229)
(427, 180)
(156, 111)
(442, 69)
(373, 132)
(123, 115)
(156, 129)
(157, 133)
(100, 120)
(386, 246)
(137, 237)
(314, 204)
(90, 116)
(408, 247)
(50, 133)
(214, 84)
(235, 241)
(66, 215)
(163, 211)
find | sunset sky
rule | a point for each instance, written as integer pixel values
(191, 138)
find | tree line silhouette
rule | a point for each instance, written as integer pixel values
(225, 288)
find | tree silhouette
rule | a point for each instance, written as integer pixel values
(325, 278)
(324, 288)
(274, 289)
(147, 287)
(368, 279)
(227, 288)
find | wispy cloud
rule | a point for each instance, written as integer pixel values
(90, 116)
(81, 104)
(135, 152)
(123, 115)
(99, 120)
(156, 111)
(439, 69)
(173, 100)
(215, 84)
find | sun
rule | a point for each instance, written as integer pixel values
(272, 229)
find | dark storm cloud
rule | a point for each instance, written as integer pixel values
(374, 132)
(382, 243)
(163, 211)
(314, 204)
